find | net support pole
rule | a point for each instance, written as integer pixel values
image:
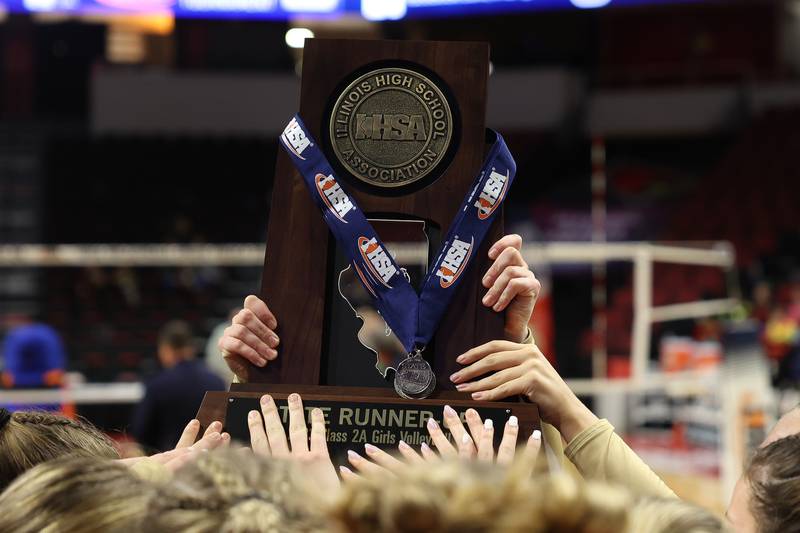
(642, 311)
(599, 290)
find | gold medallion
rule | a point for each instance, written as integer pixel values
(391, 127)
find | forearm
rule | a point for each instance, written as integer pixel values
(599, 453)
(575, 416)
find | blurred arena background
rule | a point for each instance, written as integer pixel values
(657, 192)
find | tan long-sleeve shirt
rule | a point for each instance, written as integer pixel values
(599, 453)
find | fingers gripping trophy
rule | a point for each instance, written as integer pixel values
(385, 258)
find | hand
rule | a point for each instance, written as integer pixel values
(189, 435)
(478, 444)
(512, 286)
(186, 449)
(250, 338)
(522, 369)
(272, 442)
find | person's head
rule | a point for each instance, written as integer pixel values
(28, 438)
(75, 495)
(774, 467)
(175, 343)
(452, 497)
(762, 293)
(671, 515)
(236, 492)
(767, 497)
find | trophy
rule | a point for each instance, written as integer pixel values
(388, 194)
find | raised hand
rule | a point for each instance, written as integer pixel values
(250, 338)
(512, 369)
(187, 449)
(268, 438)
(474, 443)
(512, 287)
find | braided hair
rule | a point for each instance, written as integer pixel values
(28, 438)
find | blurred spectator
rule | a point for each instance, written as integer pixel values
(782, 344)
(794, 302)
(762, 301)
(34, 358)
(173, 396)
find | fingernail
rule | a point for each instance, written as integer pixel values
(272, 323)
(425, 447)
(496, 307)
(485, 300)
(432, 425)
(272, 341)
(454, 377)
(226, 437)
(465, 438)
(316, 412)
(402, 445)
(492, 253)
(262, 362)
(216, 424)
(194, 422)
(271, 355)
(477, 395)
(485, 279)
(253, 414)
(266, 399)
(370, 449)
(513, 421)
(488, 424)
(344, 470)
(215, 436)
(460, 358)
(536, 435)
(461, 386)
(353, 456)
(449, 411)
(294, 397)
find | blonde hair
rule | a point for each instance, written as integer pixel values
(661, 515)
(28, 438)
(74, 495)
(235, 491)
(478, 498)
(456, 497)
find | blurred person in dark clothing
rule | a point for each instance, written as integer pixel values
(173, 396)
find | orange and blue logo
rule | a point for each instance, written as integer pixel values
(454, 262)
(295, 138)
(334, 196)
(492, 194)
(378, 263)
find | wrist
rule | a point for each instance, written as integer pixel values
(576, 419)
(516, 334)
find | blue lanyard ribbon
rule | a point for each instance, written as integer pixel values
(413, 318)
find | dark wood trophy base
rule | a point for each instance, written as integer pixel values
(360, 415)
(299, 267)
